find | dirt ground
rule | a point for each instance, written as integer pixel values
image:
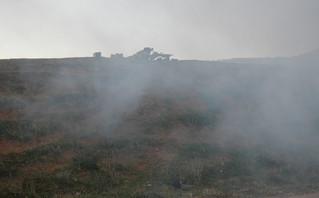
(313, 195)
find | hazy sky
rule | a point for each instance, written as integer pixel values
(189, 29)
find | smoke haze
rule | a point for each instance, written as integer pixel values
(147, 122)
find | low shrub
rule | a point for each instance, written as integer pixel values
(25, 129)
(200, 149)
(186, 172)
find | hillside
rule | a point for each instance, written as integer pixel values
(309, 58)
(139, 127)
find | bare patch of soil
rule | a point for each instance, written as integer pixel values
(87, 141)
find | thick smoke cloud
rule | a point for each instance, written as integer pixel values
(260, 112)
(272, 103)
(257, 100)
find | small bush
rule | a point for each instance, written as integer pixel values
(110, 169)
(194, 118)
(200, 150)
(8, 167)
(235, 168)
(264, 161)
(25, 129)
(239, 164)
(63, 175)
(188, 172)
(197, 118)
(161, 120)
(86, 161)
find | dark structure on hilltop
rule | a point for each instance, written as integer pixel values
(148, 54)
(97, 55)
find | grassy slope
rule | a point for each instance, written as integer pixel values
(57, 139)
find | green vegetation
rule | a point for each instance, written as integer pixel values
(11, 163)
(195, 118)
(95, 170)
(162, 120)
(200, 149)
(186, 172)
(25, 129)
(71, 144)
(192, 119)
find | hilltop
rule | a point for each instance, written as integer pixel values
(151, 126)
